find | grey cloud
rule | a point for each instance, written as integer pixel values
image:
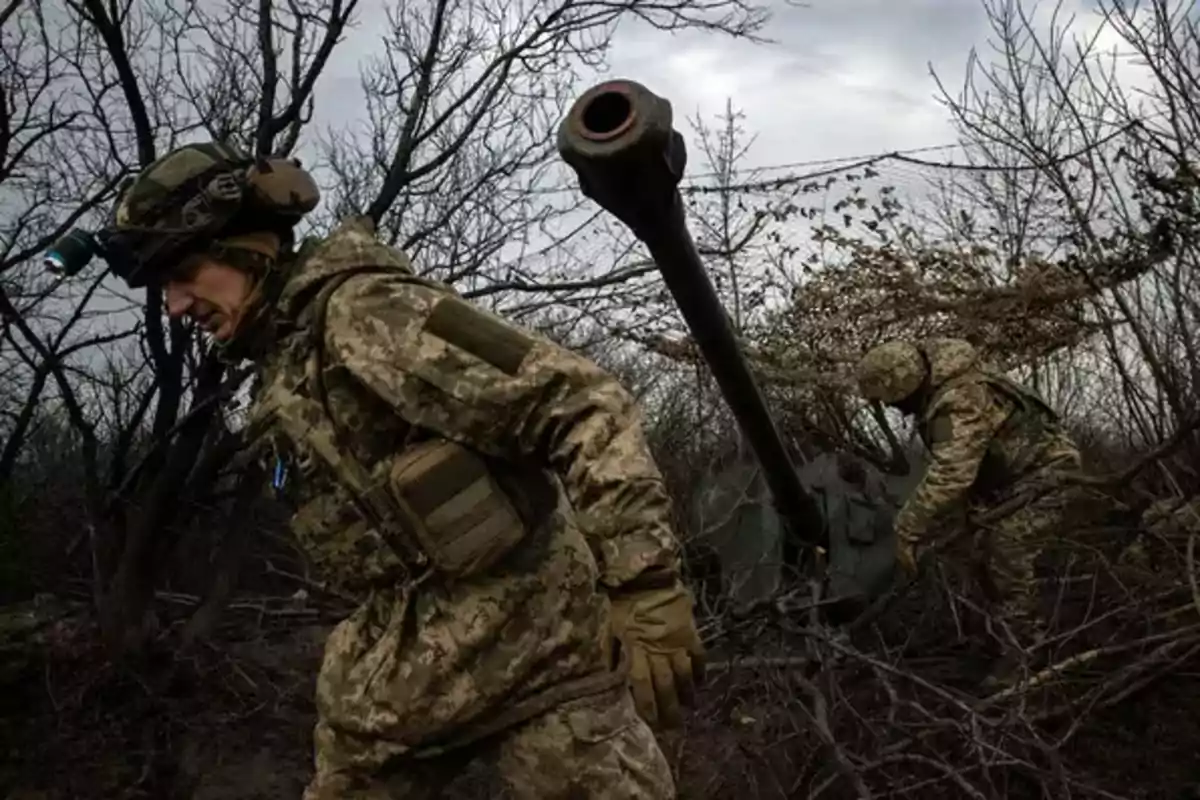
(912, 32)
(823, 47)
(843, 77)
(822, 39)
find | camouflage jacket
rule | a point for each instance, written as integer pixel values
(985, 435)
(404, 360)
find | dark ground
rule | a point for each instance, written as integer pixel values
(233, 719)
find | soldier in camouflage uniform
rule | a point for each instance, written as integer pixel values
(489, 493)
(990, 440)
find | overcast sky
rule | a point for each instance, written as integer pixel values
(844, 77)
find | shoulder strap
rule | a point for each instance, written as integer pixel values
(1019, 394)
(370, 497)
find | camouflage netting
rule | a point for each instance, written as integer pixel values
(881, 293)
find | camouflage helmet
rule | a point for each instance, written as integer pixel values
(891, 372)
(195, 194)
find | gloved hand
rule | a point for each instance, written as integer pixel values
(656, 629)
(907, 538)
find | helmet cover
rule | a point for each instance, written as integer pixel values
(891, 372)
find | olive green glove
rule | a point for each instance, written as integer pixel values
(657, 631)
(906, 547)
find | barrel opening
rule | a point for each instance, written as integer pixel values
(607, 115)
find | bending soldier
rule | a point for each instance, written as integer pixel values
(489, 493)
(990, 440)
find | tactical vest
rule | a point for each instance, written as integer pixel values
(425, 505)
(1017, 447)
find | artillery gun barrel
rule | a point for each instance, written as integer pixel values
(618, 138)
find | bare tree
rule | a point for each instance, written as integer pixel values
(92, 92)
(458, 164)
(1078, 167)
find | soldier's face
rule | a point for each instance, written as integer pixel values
(910, 405)
(211, 294)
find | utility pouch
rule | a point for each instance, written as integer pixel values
(453, 507)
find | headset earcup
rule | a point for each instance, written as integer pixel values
(282, 187)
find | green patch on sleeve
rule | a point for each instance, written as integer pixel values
(468, 328)
(941, 430)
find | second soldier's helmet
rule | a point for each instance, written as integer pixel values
(196, 195)
(894, 371)
(891, 372)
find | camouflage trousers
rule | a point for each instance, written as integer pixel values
(1005, 566)
(997, 563)
(593, 748)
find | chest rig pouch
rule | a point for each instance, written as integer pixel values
(442, 506)
(1016, 445)
(449, 502)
